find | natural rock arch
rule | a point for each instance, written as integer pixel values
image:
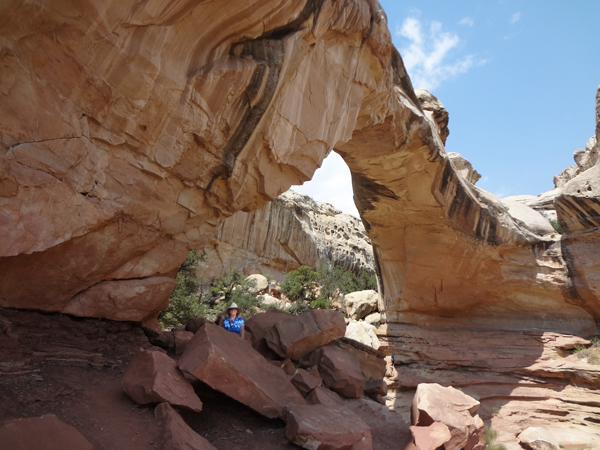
(131, 133)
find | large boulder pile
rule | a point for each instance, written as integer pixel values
(297, 368)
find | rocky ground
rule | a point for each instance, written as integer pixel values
(532, 380)
(73, 367)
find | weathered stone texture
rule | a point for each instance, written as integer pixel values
(131, 133)
(291, 231)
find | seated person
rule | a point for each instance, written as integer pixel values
(232, 322)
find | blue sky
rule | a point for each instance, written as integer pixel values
(518, 78)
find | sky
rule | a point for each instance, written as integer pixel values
(518, 78)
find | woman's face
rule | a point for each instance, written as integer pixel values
(233, 312)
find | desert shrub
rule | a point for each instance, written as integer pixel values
(556, 225)
(334, 280)
(195, 297)
(185, 301)
(490, 438)
(299, 284)
(321, 303)
(592, 353)
(299, 307)
(236, 288)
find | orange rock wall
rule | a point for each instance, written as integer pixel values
(131, 131)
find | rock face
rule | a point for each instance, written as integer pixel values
(430, 437)
(42, 433)
(153, 377)
(230, 365)
(316, 427)
(435, 110)
(162, 132)
(362, 332)
(291, 231)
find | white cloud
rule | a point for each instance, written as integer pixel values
(332, 183)
(515, 17)
(468, 21)
(426, 54)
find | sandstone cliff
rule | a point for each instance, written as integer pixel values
(131, 132)
(291, 231)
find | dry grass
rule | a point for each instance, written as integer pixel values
(591, 353)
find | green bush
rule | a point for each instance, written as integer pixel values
(334, 280)
(194, 297)
(299, 307)
(185, 301)
(321, 303)
(300, 284)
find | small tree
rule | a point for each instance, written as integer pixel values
(185, 301)
(300, 284)
(236, 288)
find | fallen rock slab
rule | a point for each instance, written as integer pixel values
(361, 303)
(376, 389)
(41, 433)
(431, 437)
(194, 324)
(306, 381)
(372, 362)
(182, 338)
(435, 403)
(260, 324)
(177, 435)
(536, 438)
(232, 366)
(297, 336)
(341, 371)
(318, 427)
(323, 396)
(363, 332)
(153, 377)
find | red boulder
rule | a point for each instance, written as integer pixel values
(297, 336)
(341, 372)
(153, 377)
(318, 427)
(230, 365)
(306, 381)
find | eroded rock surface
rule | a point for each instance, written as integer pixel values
(162, 132)
(291, 231)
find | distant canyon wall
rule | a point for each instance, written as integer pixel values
(132, 131)
(291, 231)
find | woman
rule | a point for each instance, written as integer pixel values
(233, 322)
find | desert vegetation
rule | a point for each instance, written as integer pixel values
(305, 288)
